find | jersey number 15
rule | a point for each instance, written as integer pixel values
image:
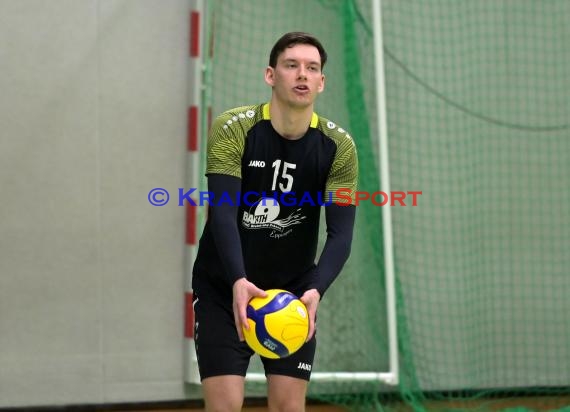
(284, 175)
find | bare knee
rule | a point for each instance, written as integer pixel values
(286, 404)
(286, 394)
(222, 405)
(223, 393)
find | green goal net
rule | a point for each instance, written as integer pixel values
(478, 112)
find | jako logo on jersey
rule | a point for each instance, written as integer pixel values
(256, 163)
(304, 366)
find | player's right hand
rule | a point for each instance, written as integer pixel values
(243, 291)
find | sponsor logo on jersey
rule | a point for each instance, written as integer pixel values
(256, 163)
(265, 215)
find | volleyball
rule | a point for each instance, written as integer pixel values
(278, 324)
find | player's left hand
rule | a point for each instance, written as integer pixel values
(311, 299)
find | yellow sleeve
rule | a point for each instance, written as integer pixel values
(226, 141)
(343, 176)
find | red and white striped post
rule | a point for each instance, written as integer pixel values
(194, 132)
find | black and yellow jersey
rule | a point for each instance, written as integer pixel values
(283, 185)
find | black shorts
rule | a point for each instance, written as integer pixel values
(220, 351)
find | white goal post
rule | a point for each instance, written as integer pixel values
(390, 377)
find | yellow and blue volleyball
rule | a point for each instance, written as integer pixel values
(278, 324)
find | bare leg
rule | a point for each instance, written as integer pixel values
(223, 393)
(286, 394)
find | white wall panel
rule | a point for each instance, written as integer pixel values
(92, 116)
